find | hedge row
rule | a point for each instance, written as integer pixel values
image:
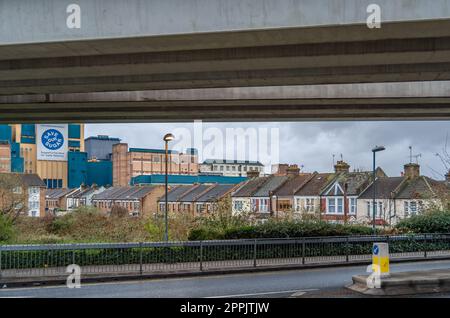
(280, 230)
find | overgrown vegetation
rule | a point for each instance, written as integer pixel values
(435, 221)
(82, 225)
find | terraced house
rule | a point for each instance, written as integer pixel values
(255, 196)
(339, 200)
(82, 197)
(138, 201)
(307, 198)
(195, 199)
(56, 200)
(401, 197)
(242, 197)
(283, 197)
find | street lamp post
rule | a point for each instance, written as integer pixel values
(167, 138)
(374, 206)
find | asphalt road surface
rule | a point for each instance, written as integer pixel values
(319, 281)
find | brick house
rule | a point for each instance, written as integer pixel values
(56, 200)
(307, 198)
(33, 189)
(197, 199)
(339, 199)
(137, 200)
(400, 197)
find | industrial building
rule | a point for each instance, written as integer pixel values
(52, 151)
(133, 162)
(99, 148)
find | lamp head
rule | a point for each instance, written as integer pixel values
(168, 137)
(378, 148)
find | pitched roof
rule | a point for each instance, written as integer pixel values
(32, 180)
(250, 187)
(57, 193)
(384, 188)
(194, 193)
(176, 193)
(216, 193)
(292, 185)
(124, 193)
(316, 185)
(28, 179)
(420, 187)
(355, 182)
(272, 183)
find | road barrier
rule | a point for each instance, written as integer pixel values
(22, 261)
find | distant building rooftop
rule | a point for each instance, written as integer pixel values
(186, 179)
(151, 150)
(103, 137)
(226, 161)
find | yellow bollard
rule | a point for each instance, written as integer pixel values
(380, 258)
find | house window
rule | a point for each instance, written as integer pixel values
(238, 205)
(331, 205)
(309, 205)
(263, 205)
(335, 205)
(352, 205)
(340, 205)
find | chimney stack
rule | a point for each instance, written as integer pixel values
(412, 170)
(252, 174)
(341, 166)
(293, 170)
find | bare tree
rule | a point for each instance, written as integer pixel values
(13, 196)
(444, 155)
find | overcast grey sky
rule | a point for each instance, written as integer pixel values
(312, 144)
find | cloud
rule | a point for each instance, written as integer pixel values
(313, 144)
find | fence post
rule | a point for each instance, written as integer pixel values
(201, 255)
(347, 247)
(254, 253)
(303, 251)
(425, 254)
(140, 258)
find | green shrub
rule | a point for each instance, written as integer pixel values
(205, 233)
(284, 229)
(6, 229)
(430, 222)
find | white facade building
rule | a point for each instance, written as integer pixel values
(230, 168)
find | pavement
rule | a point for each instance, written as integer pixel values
(317, 282)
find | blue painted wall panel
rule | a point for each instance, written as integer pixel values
(99, 173)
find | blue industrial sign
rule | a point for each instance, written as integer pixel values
(52, 139)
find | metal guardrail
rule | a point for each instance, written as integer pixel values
(19, 261)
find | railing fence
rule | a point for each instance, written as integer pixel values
(162, 257)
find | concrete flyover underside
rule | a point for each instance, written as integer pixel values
(380, 101)
(130, 46)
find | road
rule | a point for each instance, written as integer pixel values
(267, 284)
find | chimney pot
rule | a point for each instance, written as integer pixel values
(412, 170)
(341, 166)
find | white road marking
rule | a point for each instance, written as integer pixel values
(265, 293)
